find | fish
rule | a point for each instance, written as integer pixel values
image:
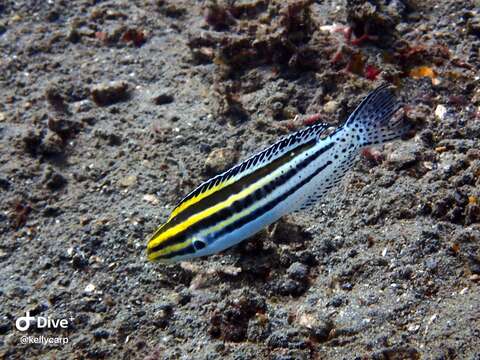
(289, 176)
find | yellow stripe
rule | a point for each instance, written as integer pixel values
(210, 211)
(259, 171)
(233, 218)
(199, 197)
(169, 249)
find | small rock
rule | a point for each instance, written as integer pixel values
(162, 98)
(336, 301)
(101, 334)
(181, 297)
(319, 327)
(2, 117)
(128, 181)
(4, 183)
(413, 327)
(32, 140)
(229, 270)
(63, 127)
(109, 93)
(52, 179)
(5, 325)
(151, 199)
(55, 99)
(346, 286)
(52, 144)
(288, 287)
(440, 112)
(474, 277)
(474, 264)
(89, 289)
(298, 271)
(220, 159)
(330, 107)
(403, 156)
(73, 35)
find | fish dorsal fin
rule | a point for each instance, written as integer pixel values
(251, 164)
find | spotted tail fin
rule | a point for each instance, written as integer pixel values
(371, 120)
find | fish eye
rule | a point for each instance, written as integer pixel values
(199, 245)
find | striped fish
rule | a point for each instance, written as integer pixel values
(288, 176)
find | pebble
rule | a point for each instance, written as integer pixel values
(4, 183)
(298, 271)
(220, 159)
(162, 98)
(89, 289)
(52, 144)
(291, 287)
(62, 127)
(55, 98)
(101, 334)
(440, 112)
(52, 179)
(404, 155)
(413, 327)
(2, 117)
(128, 181)
(109, 93)
(151, 199)
(5, 326)
(318, 327)
(330, 107)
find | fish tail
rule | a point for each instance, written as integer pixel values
(372, 119)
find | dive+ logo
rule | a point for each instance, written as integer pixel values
(23, 322)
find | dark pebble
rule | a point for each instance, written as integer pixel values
(337, 301)
(63, 127)
(31, 141)
(346, 286)
(53, 180)
(101, 334)
(298, 271)
(163, 98)
(322, 329)
(474, 264)
(405, 273)
(55, 99)
(51, 211)
(79, 261)
(38, 309)
(110, 93)
(291, 287)
(52, 144)
(4, 184)
(5, 325)
(184, 297)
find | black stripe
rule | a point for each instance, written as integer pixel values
(190, 249)
(236, 187)
(243, 203)
(269, 206)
